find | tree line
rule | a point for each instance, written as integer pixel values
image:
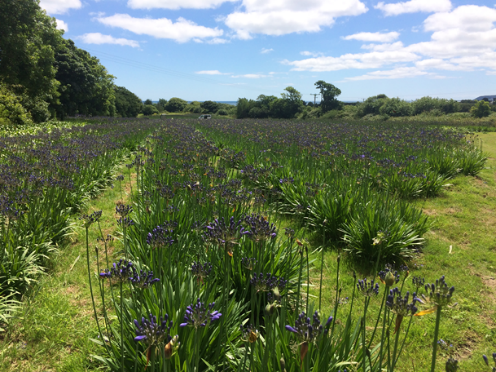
(43, 75)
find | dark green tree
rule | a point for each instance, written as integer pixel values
(86, 88)
(148, 102)
(127, 104)
(210, 107)
(149, 110)
(481, 109)
(328, 94)
(176, 105)
(28, 40)
(161, 104)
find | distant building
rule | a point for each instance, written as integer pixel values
(491, 99)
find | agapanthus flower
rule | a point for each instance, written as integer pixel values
(399, 304)
(200, 315)
(486, 360)
(144, 279)
(389, 276)
(119, 272)
(123, 210)
(439, 293)
(160, 236)
(267, 282)
(308, 330)
(368, 289)
(151, 332)
(90, 219)
(260, 228)
(225, 233)
(201, 271)
(418, 282)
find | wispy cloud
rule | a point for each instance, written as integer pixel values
(61, 25)
(414, 6)
(211, 72)
(98, 38)
(265, 50)
(374, 36)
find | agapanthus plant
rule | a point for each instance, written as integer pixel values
(200, 315)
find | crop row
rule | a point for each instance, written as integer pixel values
(208, 279)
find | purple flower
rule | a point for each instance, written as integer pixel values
(199, 315)
(151, 332)
(307, 330)
(144, 279)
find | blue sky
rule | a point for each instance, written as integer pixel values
(223, 50)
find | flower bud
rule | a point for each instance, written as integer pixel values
(389, 280)
(283, 364)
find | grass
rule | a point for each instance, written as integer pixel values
(52, 331)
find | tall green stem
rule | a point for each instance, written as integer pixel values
(436, 334)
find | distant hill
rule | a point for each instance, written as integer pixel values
(490, 98)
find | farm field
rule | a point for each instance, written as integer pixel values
(236, 213)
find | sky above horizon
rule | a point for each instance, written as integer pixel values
(226, 49)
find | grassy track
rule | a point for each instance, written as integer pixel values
(53, 330)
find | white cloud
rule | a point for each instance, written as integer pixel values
(348, 61)
(383, 47)
(181, 31)
(217, 40)
(211, 72)
(374, 36)
(98, 38)
(466, 31)
(175, 4)
(61, 25)
(250, 76)
(59, 6)
(265, 50)
(397, 73)
(414, 6)
(282, 17)
(311, 54)
(461, 40)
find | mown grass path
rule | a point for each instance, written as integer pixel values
(52, 331)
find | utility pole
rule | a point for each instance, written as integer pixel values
(314, 97)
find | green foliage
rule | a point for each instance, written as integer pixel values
(372, 105)
(481, 109)
(28, 39)
(395, 107)
(148, 102)
(161, 104)
(127, 104)
(149, 110)
(12, 111)
(86, 87)
(176, 105)
(209, 107)
(222, 112)
(427, 104)
(328, 94)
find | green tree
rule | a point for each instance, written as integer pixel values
(11, 110)
(372, 105)
(127, 104)
(148, 102)
(481, 109)
(293, 103)
(28, 39)
(209, 107)
(149, 110)
(395, 107)
(176, 105)
(161, 104)
(328, 94)
(86, 88)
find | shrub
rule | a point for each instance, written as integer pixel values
(12, 111)
(149, 110)
(481, 109)
(222, 112)
(395, 107)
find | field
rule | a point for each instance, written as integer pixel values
(265, 219)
